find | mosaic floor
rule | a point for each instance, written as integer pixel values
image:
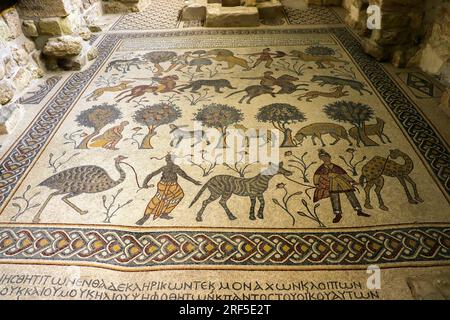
(358, 175)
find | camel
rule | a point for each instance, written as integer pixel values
(374, 170)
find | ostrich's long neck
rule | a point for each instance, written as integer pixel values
(122, 173)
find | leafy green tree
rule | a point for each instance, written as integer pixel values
(152, 117)
(97, 117)
(281, 115)
(354, 113)
(220, 117)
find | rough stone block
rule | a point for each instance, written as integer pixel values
(123, 6)
(5, 33)
(50, 27)
(29, 28)
(374, 50)
(63, 46)
(2, 69)
(194, 10)
(424, 290)
(44, 8)
(6, 93)
(20, 56)
(10, 115)
(22, 79)
(445, 106)
(231, 3)
(12, 19)
(270, 9)
(217, 16)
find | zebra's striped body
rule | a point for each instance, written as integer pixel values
(224, 186)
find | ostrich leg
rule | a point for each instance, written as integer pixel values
(66, 200)
(37, 217)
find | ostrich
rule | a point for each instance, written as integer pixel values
(83, 179)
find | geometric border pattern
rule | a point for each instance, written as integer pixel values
(189, 248)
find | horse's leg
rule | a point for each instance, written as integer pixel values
(252, 208)
(261, 206)
(223, 203)
(205, 203)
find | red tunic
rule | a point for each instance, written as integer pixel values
(331, 180)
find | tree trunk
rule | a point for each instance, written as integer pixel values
(222, 142)
(84, 143)
(288, 142)
(146, 142)
(364, 138)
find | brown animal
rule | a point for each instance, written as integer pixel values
(337, 93)
(320, 61)
(317, 130)
(370, 130)
(97, 93)
(165, 84)
(374, 170)
(224, 55)
(253, 92)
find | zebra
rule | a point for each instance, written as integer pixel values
(225, 185)
(180, 134)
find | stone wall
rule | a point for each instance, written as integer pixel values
(19, 65)
(61, 29)
(434, 54)
(401, 28)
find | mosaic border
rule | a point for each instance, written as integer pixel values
(147, 249)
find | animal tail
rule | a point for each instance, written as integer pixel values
(199, 194)
(233, 93)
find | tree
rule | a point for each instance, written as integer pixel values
(97, 117)
(219, 116)
(152, 117)
(158, 57)
(354, 113)
(281, 115)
